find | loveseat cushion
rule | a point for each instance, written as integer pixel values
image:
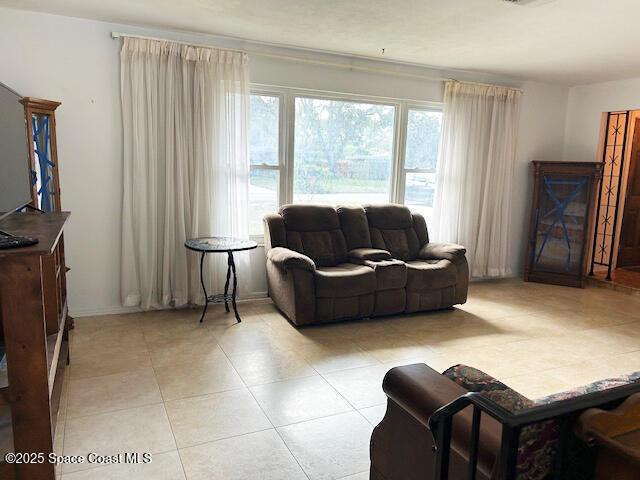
(391, 228)
(354, 225)
(428, 275)
(390, 274)
(344, 280)
(314, 230)
(359, 255)
(309, 218)
(446, 251)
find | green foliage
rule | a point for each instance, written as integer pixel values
(343, 146)
(338, 139)
(423, 136)
(263, 127)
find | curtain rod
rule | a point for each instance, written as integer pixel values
(316, 62)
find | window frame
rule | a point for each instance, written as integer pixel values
(287, 97)
(402, 174)
(281, 151)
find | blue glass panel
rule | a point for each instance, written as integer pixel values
(560, 223)
(43, 174)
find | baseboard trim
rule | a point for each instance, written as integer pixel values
(119, 309)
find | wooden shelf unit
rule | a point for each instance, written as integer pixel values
(33, 315)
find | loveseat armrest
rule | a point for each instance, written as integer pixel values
(360, 255)
(288, 259)
(442, 251)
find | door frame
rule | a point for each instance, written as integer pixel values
(632, 142)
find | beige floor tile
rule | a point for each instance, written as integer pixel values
(186, 351)
(358, 476)
(492, 360)
(256, 456)
(585, 346)
(158, 337)
(164, 466)
(270, 366)
(625, 338)
(116, 360)
(197, 378)
(142, 429)
(374, 414)
(300, 399)
(476, 337)
(333, 356)
(206, 418)
(102, 321)
(58, 443)
(539, 339)
(391, 348)
(106, 338)
(330, 447)
(241, 339)
(436, 361)
(536, 385)
(88, 396)
(495, 308)
(625, 363)
(362, 387)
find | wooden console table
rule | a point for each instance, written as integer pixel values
(33, 314)
(616, 433)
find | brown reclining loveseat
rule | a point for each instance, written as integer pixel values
(326, 264)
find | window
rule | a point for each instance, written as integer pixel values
(343, 152)
(421, 159)
(338, 149)
(264, 154)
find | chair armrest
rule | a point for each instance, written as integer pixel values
(420, 391)
(289, 259)
(359, 255)
(442, 251)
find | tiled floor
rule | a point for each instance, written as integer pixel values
(265, 400)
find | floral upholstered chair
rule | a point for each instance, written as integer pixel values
(402, 444)
(538, 443)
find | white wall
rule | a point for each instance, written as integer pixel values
(586, 105)
(540, 137)
(76, 62)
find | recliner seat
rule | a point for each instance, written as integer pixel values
(326, 264)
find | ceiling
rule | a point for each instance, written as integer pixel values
(561, 41)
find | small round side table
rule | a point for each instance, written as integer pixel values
(219, 245)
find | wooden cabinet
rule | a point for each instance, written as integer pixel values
(43, 153)
(562, 215)
(33, 315)
(616, 434)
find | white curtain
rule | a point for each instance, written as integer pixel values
(186, 167)
(475, 169)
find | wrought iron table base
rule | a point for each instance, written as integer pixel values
(221, 297)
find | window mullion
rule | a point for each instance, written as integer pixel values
(287, 145)
(399, 173)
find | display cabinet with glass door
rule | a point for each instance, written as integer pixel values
(43, 155)
(562, 218)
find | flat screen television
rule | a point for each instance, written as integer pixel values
(15, 175)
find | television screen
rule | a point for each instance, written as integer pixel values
(15, 188)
